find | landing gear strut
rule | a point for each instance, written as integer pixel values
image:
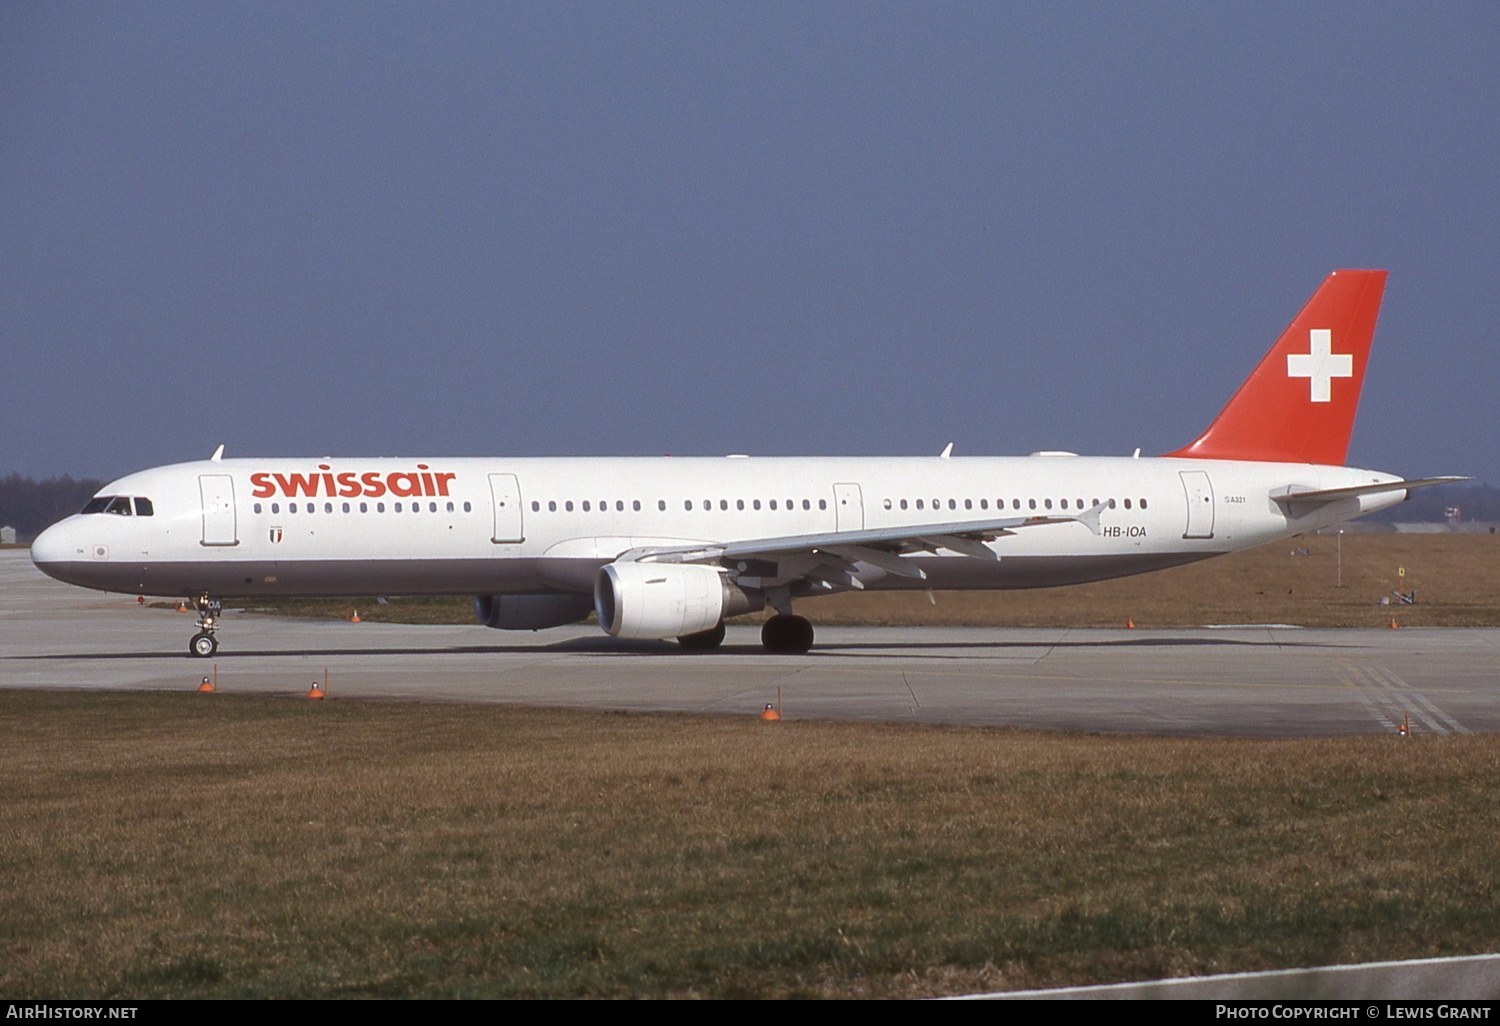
(786, 633)
(204, 644)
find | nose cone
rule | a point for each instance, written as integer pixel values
(54, 549)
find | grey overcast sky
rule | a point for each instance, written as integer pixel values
(697, 228)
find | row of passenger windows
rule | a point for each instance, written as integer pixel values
(364, 507)
(120, 505)
(603, 505)
(1014, 503)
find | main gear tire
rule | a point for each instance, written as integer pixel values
(787, 635)
(703, 641)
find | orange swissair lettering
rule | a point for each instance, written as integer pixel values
(348, 484)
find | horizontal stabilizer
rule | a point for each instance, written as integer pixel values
(1317, 497)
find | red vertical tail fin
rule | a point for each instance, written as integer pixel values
(1298, 405)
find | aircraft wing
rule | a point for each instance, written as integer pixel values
(815, 555)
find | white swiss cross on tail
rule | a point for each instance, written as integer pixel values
(1321, 365)
(1277, 418)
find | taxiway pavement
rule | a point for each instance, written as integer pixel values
(1249, 681)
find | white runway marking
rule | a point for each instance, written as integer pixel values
(1390, 699)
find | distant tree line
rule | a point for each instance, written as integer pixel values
(31, 506)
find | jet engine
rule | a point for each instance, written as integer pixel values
(531, 612)
(666, 600)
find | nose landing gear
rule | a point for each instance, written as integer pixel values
(204, 644)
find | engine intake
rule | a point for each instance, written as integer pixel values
(666, 600)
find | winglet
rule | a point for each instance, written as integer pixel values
(218, 454)
(1298, 405)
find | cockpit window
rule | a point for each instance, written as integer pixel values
(119, 505)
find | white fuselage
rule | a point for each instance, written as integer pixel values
(671, 548)
(246, 528)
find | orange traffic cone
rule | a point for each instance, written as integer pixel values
(182, 606)
(1130, 623)
(770, 714)
(315, 691)
(1394, 624)
(354, 616)
(206, 686)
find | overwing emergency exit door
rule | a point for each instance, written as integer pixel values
(849, 507)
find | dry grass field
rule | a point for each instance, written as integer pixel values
(1456, 577)
(184, 845)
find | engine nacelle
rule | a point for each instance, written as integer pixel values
(666, 600)
(531, 612)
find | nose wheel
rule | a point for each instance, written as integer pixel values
(204, 644)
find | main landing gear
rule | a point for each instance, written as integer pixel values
(204, 644)
(703, 641)
(782, 633)
(787, 633)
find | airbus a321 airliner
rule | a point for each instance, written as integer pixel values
(669, 547)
